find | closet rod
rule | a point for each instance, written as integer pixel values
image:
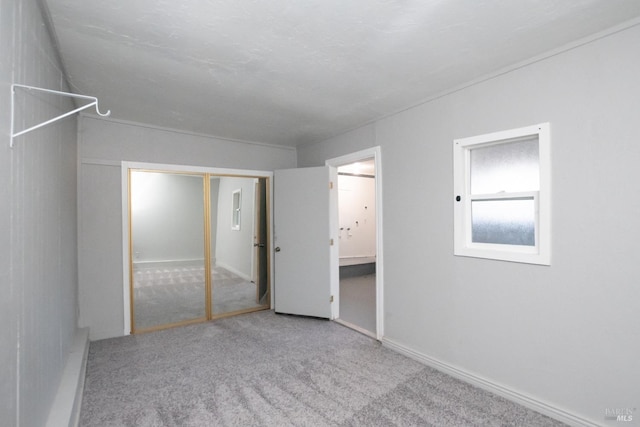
(93, 99)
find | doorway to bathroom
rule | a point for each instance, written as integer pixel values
(360, 241)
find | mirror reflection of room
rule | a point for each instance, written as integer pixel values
(236, 217)
(168, 230)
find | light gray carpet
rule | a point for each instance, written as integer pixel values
(173, 294)
(263, 369)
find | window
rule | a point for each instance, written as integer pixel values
(502, 201)
(236, 204)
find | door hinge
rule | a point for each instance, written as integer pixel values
(331, 298)
(330, 242)
(330, 185)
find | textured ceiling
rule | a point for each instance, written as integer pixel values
(292, 72)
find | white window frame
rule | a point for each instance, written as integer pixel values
(463, 245)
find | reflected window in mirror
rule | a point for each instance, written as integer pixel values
(236, 204)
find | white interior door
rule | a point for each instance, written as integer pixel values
(306, 257)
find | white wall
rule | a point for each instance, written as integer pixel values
(102, 145)
(167, 217)
(357, 216)
(38, 251)
(235, 247)
(567, 334)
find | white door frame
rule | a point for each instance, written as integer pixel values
(126, 165)
(365, 154)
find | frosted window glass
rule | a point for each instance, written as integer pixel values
(505, 221)
(508, 167)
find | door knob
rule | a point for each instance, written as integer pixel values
(278, 249)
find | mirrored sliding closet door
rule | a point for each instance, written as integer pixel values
(167, 248)
(238, 244)
(198, 247)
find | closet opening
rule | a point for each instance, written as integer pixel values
(198, 246)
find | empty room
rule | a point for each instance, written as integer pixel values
(319, 212)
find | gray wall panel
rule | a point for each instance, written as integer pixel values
(38, 243)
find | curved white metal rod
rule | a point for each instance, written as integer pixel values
(93, 99)
(98, 110)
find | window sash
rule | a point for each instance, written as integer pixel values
(468, 223)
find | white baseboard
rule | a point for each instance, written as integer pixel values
(500, 390)
(357, 260)
(65, 410)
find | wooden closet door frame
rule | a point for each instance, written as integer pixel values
(207, 172)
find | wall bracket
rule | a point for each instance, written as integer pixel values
(93, 99)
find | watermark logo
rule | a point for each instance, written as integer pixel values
(619, 414)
